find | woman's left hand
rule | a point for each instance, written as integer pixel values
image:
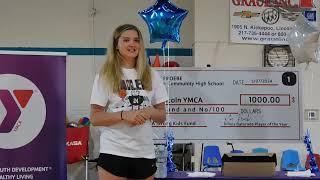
(141, 117)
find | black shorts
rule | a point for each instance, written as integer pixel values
(132, 168)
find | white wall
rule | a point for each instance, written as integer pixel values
(45, 23)
(212, 46)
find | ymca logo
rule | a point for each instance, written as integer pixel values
(13, 111)
(22, 111)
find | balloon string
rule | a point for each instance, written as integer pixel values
(311, 85)
(168, 84)
(307, 66)
(165, 74)
(168, 57)
(164, 44)
(169, 132)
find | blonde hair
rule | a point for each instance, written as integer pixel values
(111, 71)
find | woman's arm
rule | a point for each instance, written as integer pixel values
(157, 112)
(101, 118)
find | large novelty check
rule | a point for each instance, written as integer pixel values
(232, 104)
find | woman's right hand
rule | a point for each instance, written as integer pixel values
(136, 117)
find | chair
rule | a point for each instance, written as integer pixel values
(317, 156)
(259, 150)
(211, 157)
(290, 161)
(234, 150)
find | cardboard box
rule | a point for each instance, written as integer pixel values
(249, 164)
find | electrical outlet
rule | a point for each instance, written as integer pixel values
(311, 114)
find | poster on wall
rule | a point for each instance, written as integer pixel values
(32, 115)
(245, 104)
(267, 21)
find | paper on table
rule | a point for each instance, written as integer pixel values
(306, 173)
(201, 174)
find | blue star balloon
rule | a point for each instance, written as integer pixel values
(164, 20)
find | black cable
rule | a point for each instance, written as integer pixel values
(201, 156)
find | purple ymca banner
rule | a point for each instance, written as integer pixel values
(32, 115)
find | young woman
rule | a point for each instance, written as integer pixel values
(127, 94)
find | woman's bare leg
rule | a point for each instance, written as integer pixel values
(105, 175)
(150, 178)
